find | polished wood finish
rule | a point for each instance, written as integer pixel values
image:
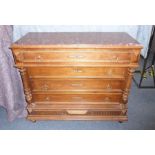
(52, 72)
(39, 84)
(73, 55)
(77, 76)
(77, 97)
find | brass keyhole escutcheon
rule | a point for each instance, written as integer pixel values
(45, 86)
(106, 99)
(47, 98)
(38, 58)
(109, 87)
(77, 70)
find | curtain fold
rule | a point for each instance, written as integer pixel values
(11, 89)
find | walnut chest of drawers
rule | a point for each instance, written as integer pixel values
(76, 76)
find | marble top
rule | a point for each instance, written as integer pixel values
(34, 39)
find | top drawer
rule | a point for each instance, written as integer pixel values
(73, 55)
(77, 72)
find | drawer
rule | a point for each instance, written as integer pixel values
(73, 55)
(49, 107)
(76, 109)
(108, 72)
(80, 98)
(84, 112)
(112, 115)
(76, 84)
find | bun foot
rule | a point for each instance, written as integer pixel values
(34, 121)
(31, 119)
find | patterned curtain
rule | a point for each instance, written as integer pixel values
(11, 90)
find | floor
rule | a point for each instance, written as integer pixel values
(141, 115)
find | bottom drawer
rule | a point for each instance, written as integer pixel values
(112, 115)
(78, 112)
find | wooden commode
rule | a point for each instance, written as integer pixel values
(76, 75)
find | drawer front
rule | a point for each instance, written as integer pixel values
(76, 106)
(75, 84)
(108, 97)
(84, 112)
(115, 115)
(76, 71)
(85, 55)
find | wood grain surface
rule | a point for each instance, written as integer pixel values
(77, 76)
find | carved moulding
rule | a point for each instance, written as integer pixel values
(30, 107)
(26, 84)
(135, 56)
(123, 109)
(127, 84)
(19, 56)
(127, 90)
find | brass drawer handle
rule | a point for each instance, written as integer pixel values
(77, 112)
(76, 85)
(109, 87)
(47, 98)
(78, 70)
(115, 58)
(106, 99)
(38, 58)
(77, 97)
(45, 87)
(76, 56)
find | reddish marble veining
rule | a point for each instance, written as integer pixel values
(98, 39)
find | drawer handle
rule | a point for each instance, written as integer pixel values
(47, 98)
(38, 58)
(77, 112)
(77, 97)
(109, 87)
(76, 84)
(78, 70)
(76, 56)
(107, 99)
(115, 58)
(45, 87)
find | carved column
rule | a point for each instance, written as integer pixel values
(26, 84)
(126, 90)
